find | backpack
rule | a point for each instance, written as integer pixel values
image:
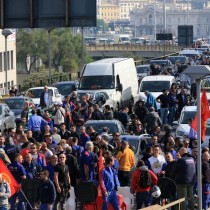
(145, 179)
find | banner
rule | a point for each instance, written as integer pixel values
(7, 176)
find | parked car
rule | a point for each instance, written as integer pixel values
(16, 104)
(174, 59)
(7, 117)
(112, 125)
(66, 88)
(183, 129)
(35, 93)
(142, 71)
(98, 97)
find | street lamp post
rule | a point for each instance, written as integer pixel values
(197, 73)
(6, 33)
(49, 55)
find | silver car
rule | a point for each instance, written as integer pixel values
(7, 117)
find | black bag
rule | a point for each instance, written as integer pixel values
(145, 179)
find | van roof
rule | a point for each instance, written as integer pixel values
(158, 77)
(109, 60)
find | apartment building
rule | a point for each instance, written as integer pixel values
(11, 62)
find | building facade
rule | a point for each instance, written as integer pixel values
(152, 19)
(126, 6)
(109, 12)
(11, 63)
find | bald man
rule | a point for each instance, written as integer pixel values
(5, 193)
(184, 173)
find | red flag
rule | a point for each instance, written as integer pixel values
(204, 115)
(6, 174)
(100, 169)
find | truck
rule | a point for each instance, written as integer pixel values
(115, 76)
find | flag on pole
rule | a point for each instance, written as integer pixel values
(7, 176)
(100, 169)
(204, 115)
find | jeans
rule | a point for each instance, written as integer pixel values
(164, 115)
(171, 115)
(142, 197)
(205, 196)
(12, 201)
(186, 191)
(43, 206)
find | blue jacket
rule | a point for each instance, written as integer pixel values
(83, 138)
(109, 181)
(151, 102)
(17, 170)
(46, 192)
(184, 170)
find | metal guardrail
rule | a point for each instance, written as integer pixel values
(133, 48)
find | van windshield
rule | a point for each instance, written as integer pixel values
(97, 82)
(154, 86)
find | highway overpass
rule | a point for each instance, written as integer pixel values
(145, 51)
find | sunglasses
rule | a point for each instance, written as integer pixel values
(61, 157)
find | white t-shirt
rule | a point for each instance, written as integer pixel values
(157, 163)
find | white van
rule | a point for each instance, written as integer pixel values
(115, 76)
(155, 85)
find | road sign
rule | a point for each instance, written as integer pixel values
(47, 13)
(185, 35)
(164, 36)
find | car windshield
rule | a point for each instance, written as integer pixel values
(36, 93)
(186, 116)
(99, 127)
(142, 69)
(65, 89)
(15, 103)
(97, 82)
(134, 144)
(159, 62)
(175, 59)
(154, 86)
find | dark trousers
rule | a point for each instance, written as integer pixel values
(123, 178)
(142, 197)
(60, 198)
(36, 135)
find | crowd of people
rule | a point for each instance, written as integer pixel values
(57, 148)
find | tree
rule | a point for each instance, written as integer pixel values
(101, 25)
(65, 47)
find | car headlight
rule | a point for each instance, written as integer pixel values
(180, 133)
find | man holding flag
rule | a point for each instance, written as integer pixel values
(19, 173)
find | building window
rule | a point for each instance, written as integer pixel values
(150, 19)
(125, 4)
(125, 15)
(12, 60)
(178, 20)
(1, 62)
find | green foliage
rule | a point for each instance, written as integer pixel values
(101, 25)
(40, 78)
(66, 49)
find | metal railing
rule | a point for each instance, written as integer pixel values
(158, 207)
(119, 47)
